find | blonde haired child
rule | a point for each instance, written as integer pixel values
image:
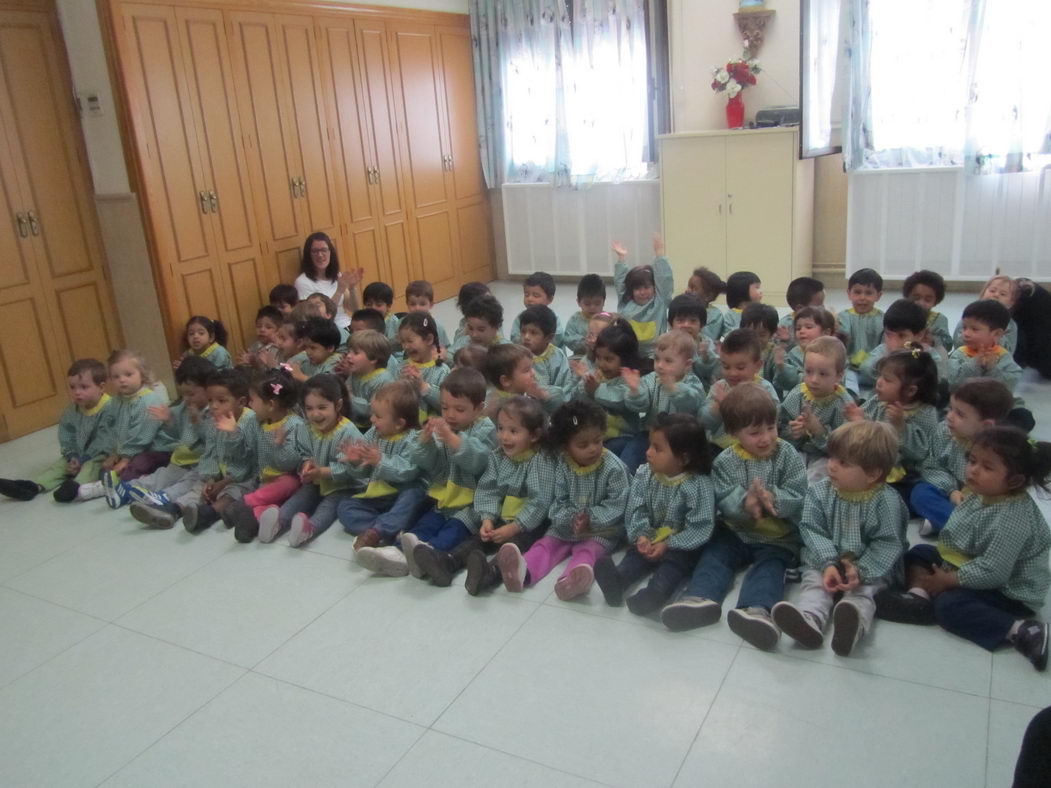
(368, 354)
(1005, 290)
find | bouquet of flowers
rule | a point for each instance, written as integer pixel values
(735, 76)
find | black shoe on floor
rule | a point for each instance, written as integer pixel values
(477, 569)
(609, 582)
(20, 489)
(434, 564)
(1031, 642)
(645, 601)
(67, 491)
(245, 526)
(903, 607)
(197, 517)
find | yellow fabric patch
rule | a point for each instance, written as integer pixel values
(549, 351)
(512, 505)
(951, 555)
(98, 406)
(808, 395)
(999, 350)
(771, 528)
(584, 470)
(377, 489)
(448, 495)
(724, 440)
(614, 426)
(184, 455)
(858, 496)
(644, 332)
(897, 473)
(664, 532)
(859, 357)
(370, 375)
(274, 425)
(209, 350)
(269, 473)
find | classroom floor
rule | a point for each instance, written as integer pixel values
(139, 658)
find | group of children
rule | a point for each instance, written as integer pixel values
(707, 441)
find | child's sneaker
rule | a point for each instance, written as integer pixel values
(903, 607)
(269, 524)
(576, 582)
(90, 491)
(408, 550)
(198, 516)
(389, 560)
(115, 490)
(846, 623)
(799, 626)
(140, 494)
(754, 625)
(1031, 641)
(158, 517)
(370, 537)
(244, 523)
(434, 564)
(609, 582)
(302, 530)
(67, 491)
(513, 567)
(690, 612)
(645, 601)
(481, 573)
(20, 489)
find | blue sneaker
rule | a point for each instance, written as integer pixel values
(116, 491)
(140, 494)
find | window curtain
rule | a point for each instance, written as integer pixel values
(561, 90)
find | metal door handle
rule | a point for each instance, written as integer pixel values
(720, 209)
(203, 197)
(23, 228)
(450, 162)
(731, 209)
(294, 185)
(213, 198)
(34, 225)
(302, 186)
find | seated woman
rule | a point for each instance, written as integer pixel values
(320, 273)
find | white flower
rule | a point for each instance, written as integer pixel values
(722, 76)
(733, 87)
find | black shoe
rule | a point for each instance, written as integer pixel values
(197, 517)
(20, 489)
(903, 607)
(609, 582)
(434, 564)
(1031, 642)
(245, 526)
(67, 491)
(645, 601)
(478, 571)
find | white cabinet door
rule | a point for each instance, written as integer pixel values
(693, 178)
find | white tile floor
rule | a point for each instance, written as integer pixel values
(144, 658)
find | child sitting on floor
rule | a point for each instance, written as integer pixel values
(591, 298)
(368, 353)
(538, 289)
(706, 286)
(741, 360)
(862, 324)
(802, 292)
(1005, 290)
(643, 294)
(927, 289)
(810, 323)
(742, 289)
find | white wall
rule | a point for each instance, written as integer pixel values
(702, 35)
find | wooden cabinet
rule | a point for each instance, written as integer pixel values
(253, 129)
(738, 201)
(54, 295)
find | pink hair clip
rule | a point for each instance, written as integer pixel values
(276, 388)
(286, 367)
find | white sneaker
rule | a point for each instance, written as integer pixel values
(512, 566)
(754, 625)
(389, 560)
(690, 612)
(302, 530)
(90, 491)
(408, 547)
(927, 528)
(269, 524)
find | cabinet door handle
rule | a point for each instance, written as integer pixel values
(34, 225)
(720, 209)
(302, 186)
(731, 209)
(450, 162)
(294, 186)
(376, 174)
(23, 227)
(213, 200)
(203, 197)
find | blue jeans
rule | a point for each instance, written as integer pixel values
(440, 532)
(388, 514)
(931, 504)
(626, 447)
(668, 572)
(725, 554)
(308, 500)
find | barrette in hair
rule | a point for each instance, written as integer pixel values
(276, 388)
(425, 322)
(575, 424)
(916, 352)
(286, 367)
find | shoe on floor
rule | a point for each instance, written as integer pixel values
(482, 574)
(157, 517)
(645, 601)
(927, 529)
(754, 625)
(139, 493)
(799, 626)
(1031, 641)
(408, 549)
(21, 489)
(369, 538)
(903, 607)
(115, 490)
(575, 583)
(434, 564)
(846, 628)
(512, 567)
(244, 523)
(389, 560)
(690, 612)
(609, 582)
(90, 491)
(196, 517)
(67, 491)
(302, 530)
(269, 524)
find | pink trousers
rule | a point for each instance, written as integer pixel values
(272, 493)
(549, 551)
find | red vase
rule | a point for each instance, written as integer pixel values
(735, 112)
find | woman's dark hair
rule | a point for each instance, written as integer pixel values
(526, 410)
(195, 370)
(737, 286)
(686, 439)
(571, 418)
(422, 325)
(1029, 459)
(329, 387)
(277, 385)
(306, 265)
(215, 328)
(233, 380)
(916, 368)
(470, 291)
(620, 340)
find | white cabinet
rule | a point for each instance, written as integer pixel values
(738, 201)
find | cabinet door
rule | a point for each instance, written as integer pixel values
(472, 198)
(693, 195)
(417, 73)
(212, 101)
(759, 170)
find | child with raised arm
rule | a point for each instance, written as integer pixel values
(759, 487)
(643, 294)
(989, 572)
(538, 289)
(587, 514)
(852, 528)
(671, 515)
(591, 298)
(741, 360)
(862, 324)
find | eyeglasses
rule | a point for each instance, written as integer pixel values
(320, 252)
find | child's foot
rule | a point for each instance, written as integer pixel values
(157, 517)
(609, 582)
(434, 564)
(903, 607)
(800, 626)
(389, 560)
(90, 491)
(481, 574)
(269, 524)
(245, 525)
(369, 538)
(20, 489)
(1031, 641)
(645, 601)
(690, 612)
(754, 625)
(575, 582)
(408, 549)
(116, 491)
(512, 567)
(927, 529)
(846, 632)
(67, 491)
(198, 516)
(302, 530)
(141, 494)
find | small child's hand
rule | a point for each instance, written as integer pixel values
(245, 359)
(485, 533)
(643, 545)
(427, 433)
(297, 370)
(853, 412)
(620, 250)
(536, 391)
(797, 426)
(350, 451)
(658, 245)
(783, 334)
(779, 356)
(581, 522)
(161, 413)
(121, 464)
(956, 497)
(766, 498)
(579, 368)
(280, 436)
(657, 550)
(72, 466)
(225, 422)
(109, 462)
(853, 579)
(632, 378)
(342, 367)
(176, 363)
(309, 471)
(703, 347)
(937, 580)
(210, 491)
(268, 358)
(831, 580)
(370, 454)
(751, 504)
(590, 383)
(896, 415)
(441, 428)
(505, 533)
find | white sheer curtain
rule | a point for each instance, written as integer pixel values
(822, 46)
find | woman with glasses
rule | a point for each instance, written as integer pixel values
(319, 273)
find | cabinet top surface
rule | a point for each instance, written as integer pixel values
(684, 135)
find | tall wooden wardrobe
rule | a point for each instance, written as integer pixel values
(252, 124)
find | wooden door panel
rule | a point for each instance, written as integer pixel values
(372, 43)
(419, 88)
(458, 79)
(289, 259)
(15, 264)
(200, 292)
(23, 346)
(365, 253)
(80, 310)
(399, 258)
(247, 293)
(476, 247)
(436, 254)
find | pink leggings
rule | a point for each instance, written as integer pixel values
(549, 551)
(272, 493)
